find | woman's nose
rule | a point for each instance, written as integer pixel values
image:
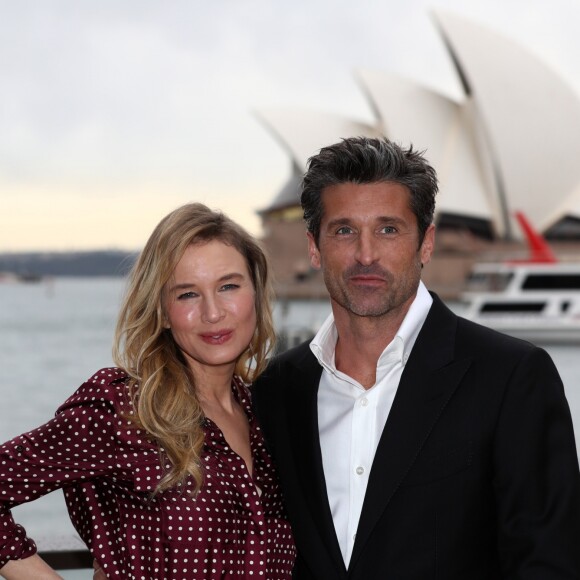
(212, 311)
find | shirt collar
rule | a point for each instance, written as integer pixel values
(324, 343)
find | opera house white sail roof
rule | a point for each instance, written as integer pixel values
(511, 143)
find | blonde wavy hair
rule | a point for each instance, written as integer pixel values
(163, 387)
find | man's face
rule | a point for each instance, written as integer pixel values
(368, 248)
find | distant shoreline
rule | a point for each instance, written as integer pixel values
(115, 263)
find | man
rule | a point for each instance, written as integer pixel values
(412, 443)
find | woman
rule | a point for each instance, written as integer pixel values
(162, 463)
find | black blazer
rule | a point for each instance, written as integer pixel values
(475, 475)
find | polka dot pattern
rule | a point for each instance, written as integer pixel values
(235, 527)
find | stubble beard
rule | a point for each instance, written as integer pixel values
(372, 302)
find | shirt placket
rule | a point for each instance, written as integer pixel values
(235, 466)
(363, 426)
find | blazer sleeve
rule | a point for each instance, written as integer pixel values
(537, 481)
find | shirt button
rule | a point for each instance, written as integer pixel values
(364, 402)
(360, 470)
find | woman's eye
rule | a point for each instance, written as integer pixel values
(229, 286)
(186, 295)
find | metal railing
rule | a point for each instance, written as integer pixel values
(64, 552)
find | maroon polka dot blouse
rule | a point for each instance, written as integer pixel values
(235, 527)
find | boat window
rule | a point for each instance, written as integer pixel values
(552, 282)
(489, 281)
(513, 307)
(564, 307)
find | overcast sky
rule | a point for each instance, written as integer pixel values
(114, 112)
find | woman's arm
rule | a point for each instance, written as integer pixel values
(33, 567)
(43, 460)
(77, 445)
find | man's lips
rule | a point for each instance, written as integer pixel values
(217, 337)
(367, 275)
(367, 279)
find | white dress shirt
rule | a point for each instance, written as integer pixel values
(351, 418)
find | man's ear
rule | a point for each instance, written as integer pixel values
(428, 245)
(313, 252)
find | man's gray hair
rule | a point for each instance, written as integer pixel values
(367, 160)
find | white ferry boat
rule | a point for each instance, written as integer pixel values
(537, 299)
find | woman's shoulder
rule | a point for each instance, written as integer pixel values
(108, 378)
(108, 386)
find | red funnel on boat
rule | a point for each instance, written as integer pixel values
(540, 251)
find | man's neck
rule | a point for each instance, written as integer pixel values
(361, 341)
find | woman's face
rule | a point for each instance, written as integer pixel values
(210, 307)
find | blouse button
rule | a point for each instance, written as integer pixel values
(20, 448)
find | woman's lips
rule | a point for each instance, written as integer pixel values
(217, 337)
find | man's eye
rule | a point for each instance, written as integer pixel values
(388, 230)
(344, 230)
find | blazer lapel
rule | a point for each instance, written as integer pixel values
(301, 405)
(429, 380)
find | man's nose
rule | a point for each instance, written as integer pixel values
(368, 250)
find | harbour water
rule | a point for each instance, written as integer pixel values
(55, 334)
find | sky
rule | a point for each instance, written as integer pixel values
(114, 112)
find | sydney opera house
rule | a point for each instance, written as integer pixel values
(512, 143)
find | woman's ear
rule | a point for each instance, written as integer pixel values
(161, 312)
